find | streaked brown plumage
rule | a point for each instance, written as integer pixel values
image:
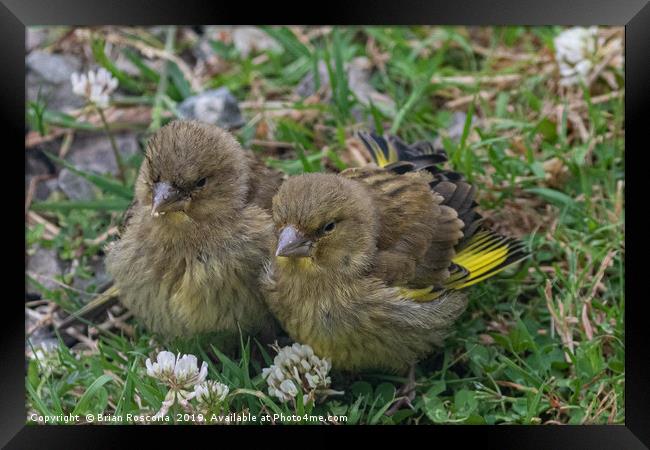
(197, 236)
(364, 269)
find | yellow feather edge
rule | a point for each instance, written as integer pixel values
(381, 159)
(484, 252)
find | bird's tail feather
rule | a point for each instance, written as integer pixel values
(483, 256)
(394, 154)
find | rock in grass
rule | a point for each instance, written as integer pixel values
(248, 40)
(52, 68)
(93, 152)
(95, 280)
(455, 129)
(45, 265)
(37, 165)
(74, 186)
(358, 72)
(50, 74)
(216, 106)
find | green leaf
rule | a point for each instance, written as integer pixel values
(385, 392)
(105, 204)
(361, 389)
(38, 402)
(288, 40)
(340, 80)
(102, 182)
(83, 405)
(548, 130)
(137, 61)
(60, 119)
(556, 197)
(103, 60)
(376, 118)
(465, 402)
(179, 81)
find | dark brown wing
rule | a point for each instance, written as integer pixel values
(412, 220)
(264, 182)
(457, 257)
(439, 220)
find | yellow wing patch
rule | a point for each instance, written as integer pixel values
(381, 157)
(485, 255)
(423, 295)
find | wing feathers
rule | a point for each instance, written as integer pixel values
(460, 253)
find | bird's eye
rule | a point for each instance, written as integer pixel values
(201, 182)
(329, 227)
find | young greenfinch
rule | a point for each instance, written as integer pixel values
(197, 236)
(369, 263)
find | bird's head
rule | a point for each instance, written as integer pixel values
(325, 221)
(192, 169)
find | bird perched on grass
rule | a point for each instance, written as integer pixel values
(197, 236)
(370, 263)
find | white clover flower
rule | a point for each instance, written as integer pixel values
(177, 371)
(210, 393)
(576, 53)
(295, 367)
(95, 87)
(48, 360)
(164, 367)
(180, 373)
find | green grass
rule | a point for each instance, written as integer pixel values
(542, 343)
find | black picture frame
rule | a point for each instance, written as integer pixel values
(15, 15)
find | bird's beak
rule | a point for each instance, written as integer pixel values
(166, 198)
(293, 243)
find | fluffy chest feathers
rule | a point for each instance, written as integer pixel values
(360, 323)
(203, 280)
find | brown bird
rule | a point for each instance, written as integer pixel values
(196, 237)
(369, 263)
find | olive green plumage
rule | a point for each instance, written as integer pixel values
(190, 254)
(364, 269)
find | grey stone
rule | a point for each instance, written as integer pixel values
(216, 106)
(245, 39)
(44, 264)
(358, 72)
(45, 189)
(74, 186)
(455, 129)
(52, 68)
(48, 77)
(99, 278)
(35, 167)
(94, 152)
(307, 85)
(126, 66)
(250, 39)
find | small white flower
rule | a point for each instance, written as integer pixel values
(575, 53)
(95, 87)
(297, 367)
(48, 361)
(211, 392)
(164, 367)
(180, 373)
